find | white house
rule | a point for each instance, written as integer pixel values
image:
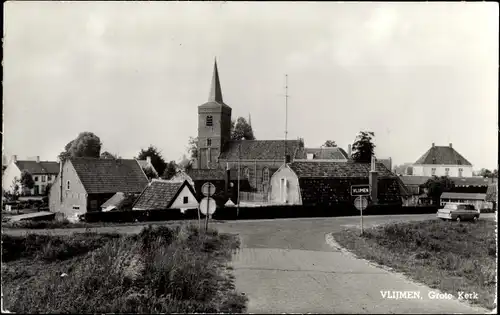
(441, 161)
(163, 194)
(43, 172)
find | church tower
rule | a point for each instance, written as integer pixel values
(214, 125)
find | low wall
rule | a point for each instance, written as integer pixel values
(267, 212)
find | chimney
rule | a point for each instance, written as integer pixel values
(451, 146)
(14, 158)
(38, 159)
(148, 159)
(287, 158)
(433, 144)
(349, 149)
(373, 181)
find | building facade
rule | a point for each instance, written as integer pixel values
(44, 174)
(441, 161)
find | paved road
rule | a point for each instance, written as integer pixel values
(286, 266)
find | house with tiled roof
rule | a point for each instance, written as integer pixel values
(163, 194)
(329, 183)
(442, 161)
(44, 173)
(84, 184)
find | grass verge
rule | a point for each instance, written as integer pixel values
(448, 256)
(161, 270)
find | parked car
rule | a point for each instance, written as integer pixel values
(458, 212)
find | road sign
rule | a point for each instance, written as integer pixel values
(208, 189)
(361, 203)
(360, 190)
(208, 205)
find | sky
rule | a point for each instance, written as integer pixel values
(134, 74)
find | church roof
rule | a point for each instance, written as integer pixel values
(262, 150)
(442, 155)
(215, 97)
(330, 153)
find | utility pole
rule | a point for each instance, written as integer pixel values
(286, 114)
(239, 170)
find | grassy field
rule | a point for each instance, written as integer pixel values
(448, 256)
(161, 270)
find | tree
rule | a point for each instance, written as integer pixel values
(486, 173)
(107, 155)
(170, 170)
(435, 186)
(193, 148)
(149, 173)
(241, 130)
(330, 144)
(27, 181)
(87, 144)
(156, 158)
(363, 147)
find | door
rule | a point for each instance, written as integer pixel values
(37, 190)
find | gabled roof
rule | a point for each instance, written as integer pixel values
(42, 167)
(333, 169)
(119, 200)
(109, 175)
(160, 194)
(145, 164)
(491, 193)
(442, 155)
(465, 196)
(334, 153)
(262, 150)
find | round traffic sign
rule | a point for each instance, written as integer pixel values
(361, 203)
(208, 189)
(208, 205)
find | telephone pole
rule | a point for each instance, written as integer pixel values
(286, 114)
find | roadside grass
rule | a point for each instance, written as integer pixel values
(448, 256)
(160, 270)
(66, 224)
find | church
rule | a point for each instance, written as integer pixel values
(257, 159)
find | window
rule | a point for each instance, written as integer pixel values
(209, 142)
(186, 199)
(433, 171)
(460, 170)
(209, 121)
(44, 178)
(49, 177)
(246, 172)
(265, 175)
(67, 185)
(446, 171)
(36, 178)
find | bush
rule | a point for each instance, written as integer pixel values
(161, 269)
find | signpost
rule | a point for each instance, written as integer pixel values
(207, 204)
(361, 202)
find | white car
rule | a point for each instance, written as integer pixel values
(458, 212)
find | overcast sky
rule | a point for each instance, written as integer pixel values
(134, 73)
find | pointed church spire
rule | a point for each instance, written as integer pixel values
(249, 120)
(215, 89)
